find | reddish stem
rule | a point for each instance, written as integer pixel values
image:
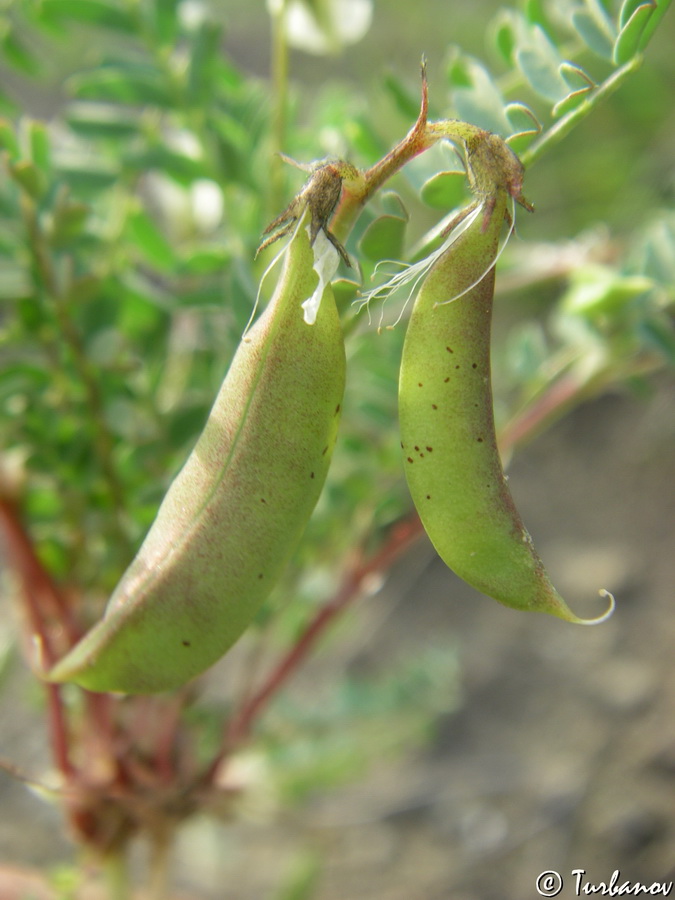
(415, 142)
(43, 599)
(552, 403)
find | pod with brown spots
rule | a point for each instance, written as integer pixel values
(235, 512)
(450, 453)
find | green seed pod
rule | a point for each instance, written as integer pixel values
(236, 511)
(450, 453)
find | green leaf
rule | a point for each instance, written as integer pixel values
(522, 120)
(592, 31)
(203, 57)
(568, 103)
(29, 177)
(204, 260)
(147, 237)
(628, 42)
(85, 175)
(183, 169)
(539, 62)
(659, 13)
(393, 205)
(407, 101)
(102, 120)
(575, 76)
(345, 292)
(477, 98)
(383, 238)
(121, 83)
(89, 12)
(445, 190)
(15, 52)
(599, 290)
(166, 20)
(68, 219)
(628, 7)
(15, 282)
(40, 147)
(458, 71)
(504, 35)
(535, 14)
(581, 84)
(8, 139)
(659, 334)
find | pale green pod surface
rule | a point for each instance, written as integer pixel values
(450, 453)
(235, 512)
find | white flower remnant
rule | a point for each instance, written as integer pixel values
(326, 261)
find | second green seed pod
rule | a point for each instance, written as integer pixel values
(448, 440)
(236, 511)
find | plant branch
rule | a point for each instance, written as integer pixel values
(279, 65)
(569, 121)
(43, 600)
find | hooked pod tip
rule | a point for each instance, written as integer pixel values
(569, 616)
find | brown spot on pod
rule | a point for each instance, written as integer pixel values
(429, 449)
(433, 406)
(410, 459)
(449, 349)
(186, 643)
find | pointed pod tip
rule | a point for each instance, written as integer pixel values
(569, 616)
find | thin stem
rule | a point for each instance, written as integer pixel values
(415, 142)
(279, 65)
(42, 598)
(116, 876)
(160, 859)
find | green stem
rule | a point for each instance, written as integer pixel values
(279, 66)
(563, 126)
(160, 856)
(116, 876)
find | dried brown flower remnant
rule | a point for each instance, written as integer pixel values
(321, 193)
